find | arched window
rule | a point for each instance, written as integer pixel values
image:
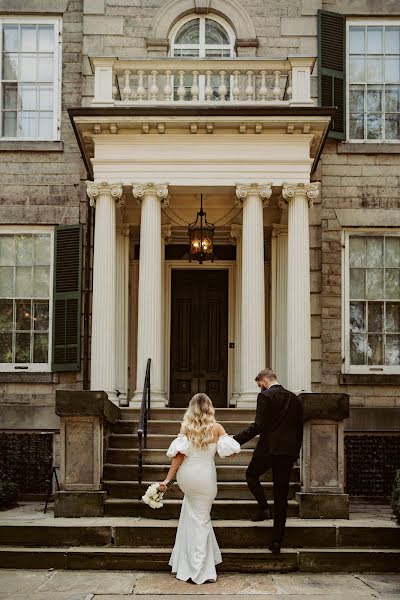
(202, 37)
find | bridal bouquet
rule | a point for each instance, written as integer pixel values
(153, 496)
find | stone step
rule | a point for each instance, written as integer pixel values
(176, 414)
(222, 509)
(226, 490)
(247, 560)
(171, 427)
(225, 472)
(121, 532)
(154, 440)
(156, 456)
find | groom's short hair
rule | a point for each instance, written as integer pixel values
(266, 374)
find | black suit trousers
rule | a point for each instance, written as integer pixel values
(281, 466)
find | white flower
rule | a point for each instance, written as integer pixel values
(153, 496)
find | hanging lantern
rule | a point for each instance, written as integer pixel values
(201, 237)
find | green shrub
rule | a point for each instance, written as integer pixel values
(396, 497)
(8, 494)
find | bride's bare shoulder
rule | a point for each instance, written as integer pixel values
(218, 430)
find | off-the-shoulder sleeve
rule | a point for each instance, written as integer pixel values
(227, 446)
(180, 444)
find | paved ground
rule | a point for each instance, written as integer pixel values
(122, 585)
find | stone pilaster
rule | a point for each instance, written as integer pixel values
(104, 196)
(279, 249)
(299, 197)
(236, 235)
(122, 326)
(252, 336)
(150, 304)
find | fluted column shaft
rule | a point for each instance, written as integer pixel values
(236, 234)
(298, 198)
(104, 196)
(122, 313)
(279, 257)
(252, 337)
(150, 306)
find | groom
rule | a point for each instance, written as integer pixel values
(279, 422)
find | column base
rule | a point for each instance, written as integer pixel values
(323, 506)
(79, 504)
(158, 400)
(247, 400)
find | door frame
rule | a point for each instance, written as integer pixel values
(226, 265)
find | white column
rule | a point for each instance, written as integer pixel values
(252, 337)
(236, 235)
(150, 331)
(122, 325)
(299, 197)
(279, 301)
(104, 196)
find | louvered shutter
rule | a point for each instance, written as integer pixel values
(67, 298)
(332, 68)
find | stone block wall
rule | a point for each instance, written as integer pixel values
(41, 183)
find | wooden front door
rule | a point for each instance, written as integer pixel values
(199, 335)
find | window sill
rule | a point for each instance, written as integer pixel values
(28, 377)
(31, 146)
(367, 148)
(369, 379)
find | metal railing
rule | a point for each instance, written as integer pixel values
(142, 426)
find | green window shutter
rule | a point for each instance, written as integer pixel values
(332, 68)
(67, 298)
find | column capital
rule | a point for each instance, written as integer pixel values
(309, 190)
(261, 190)
(95, 189)
(278, 230)
(166, 232)
(160, 190)
(236, 232)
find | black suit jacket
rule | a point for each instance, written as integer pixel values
(277, 435)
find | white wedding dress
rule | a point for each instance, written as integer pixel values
(196, 551)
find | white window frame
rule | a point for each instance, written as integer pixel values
(57, 22)
(347, 367)
(363, 22)
(202, 47)
(35, 367)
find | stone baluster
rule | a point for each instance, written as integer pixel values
(168, 89)
(299, 197)
(236, 86)
(150, 306)
(194, 90)
(289, 86)
(263, 91)
(209, 92)
(104, 197)
(181, 91)
(222, 89)
(252, 337)
(276, 92)
(153, 85)
(249, 91)
(140, 91)
(127, 91)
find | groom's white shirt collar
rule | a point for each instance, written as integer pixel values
(273, 385)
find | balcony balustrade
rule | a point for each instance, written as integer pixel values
(182, 81)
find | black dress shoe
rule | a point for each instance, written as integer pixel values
(262, 515)
(275, 548)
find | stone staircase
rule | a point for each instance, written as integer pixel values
(234, 500)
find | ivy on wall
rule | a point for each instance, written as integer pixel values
(26, 459)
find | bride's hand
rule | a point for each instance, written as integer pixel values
(164, 485)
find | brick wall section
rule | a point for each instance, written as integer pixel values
(46, 188)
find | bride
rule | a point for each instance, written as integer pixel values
(196, 551)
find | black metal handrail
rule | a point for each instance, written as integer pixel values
(142, 427)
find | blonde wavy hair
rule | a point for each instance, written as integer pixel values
(198, 421)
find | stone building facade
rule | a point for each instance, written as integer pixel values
(105, 45)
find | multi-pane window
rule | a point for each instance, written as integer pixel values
(372, 303)
(202, 37)
(374, 81)
(25, 300)
(29, 84)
